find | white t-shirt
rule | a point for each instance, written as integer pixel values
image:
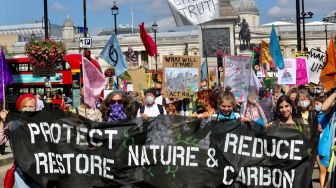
(39, 105)
(159, 100)
(152, 111)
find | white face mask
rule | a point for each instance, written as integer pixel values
(149, 100)
(318, 108)
(28, 109)
(304, 104)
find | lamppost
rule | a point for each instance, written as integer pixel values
(298, 27)
(115, 12)
(325, 22)
(155, 28)
(46, 20)
(305, 16)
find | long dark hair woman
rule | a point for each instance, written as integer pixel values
(117, 106)
(285, 112)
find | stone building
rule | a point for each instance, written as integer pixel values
(185, 42)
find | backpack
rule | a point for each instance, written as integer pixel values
(160, 107)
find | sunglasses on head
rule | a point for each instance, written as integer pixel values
(116, 101)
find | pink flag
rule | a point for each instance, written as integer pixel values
(147, 41)
(94, 82)
(301, 71)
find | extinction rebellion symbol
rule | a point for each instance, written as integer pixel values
(113, 55)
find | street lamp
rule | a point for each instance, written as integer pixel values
(115, 12)
(155, 28)
(304, 16)
(325, 21)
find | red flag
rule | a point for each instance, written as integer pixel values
(94, 82)
(147, 41)
(327, 77)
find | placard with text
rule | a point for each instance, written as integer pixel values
(181, 75)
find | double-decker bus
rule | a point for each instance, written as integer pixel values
(66, 81)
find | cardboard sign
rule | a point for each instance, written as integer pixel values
(237, 74)
(288, 74)
(138, 81)
(315, 65)
(181, 75)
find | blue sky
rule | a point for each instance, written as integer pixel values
(99, 14)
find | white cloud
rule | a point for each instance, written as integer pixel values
(59, 7)
(287, 8)
(278, 12)
(99, 5)
(167, 23)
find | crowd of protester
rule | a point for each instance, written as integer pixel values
(291, 106)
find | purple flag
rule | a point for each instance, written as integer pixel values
(6, 76)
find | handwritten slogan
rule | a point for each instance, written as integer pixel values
(237, 75)
(181, 75)
(194, 12)
(315, 65)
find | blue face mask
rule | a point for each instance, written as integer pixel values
(116, 113)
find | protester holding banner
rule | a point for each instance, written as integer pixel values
(150, 109)
(118, 106)
(205, 104)
(284, 114)
(226, 103)
(304, 106)
(25, 103)
(252, 112)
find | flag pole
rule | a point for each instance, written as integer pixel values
(205, 55)
(3, 94)
(3, 80)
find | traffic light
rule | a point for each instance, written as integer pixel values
(256, 59)
(219, 59)
(87, 54)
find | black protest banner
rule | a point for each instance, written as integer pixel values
(60, 149)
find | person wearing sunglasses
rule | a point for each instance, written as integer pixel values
(117, 106)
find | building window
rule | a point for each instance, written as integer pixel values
(23, 67)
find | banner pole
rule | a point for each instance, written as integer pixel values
(205, 55)
(4, 94)
(3, 80)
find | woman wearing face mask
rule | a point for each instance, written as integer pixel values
(150, 109)
(25, 103)
(117, 107)
(253, 112)
(303, 101)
